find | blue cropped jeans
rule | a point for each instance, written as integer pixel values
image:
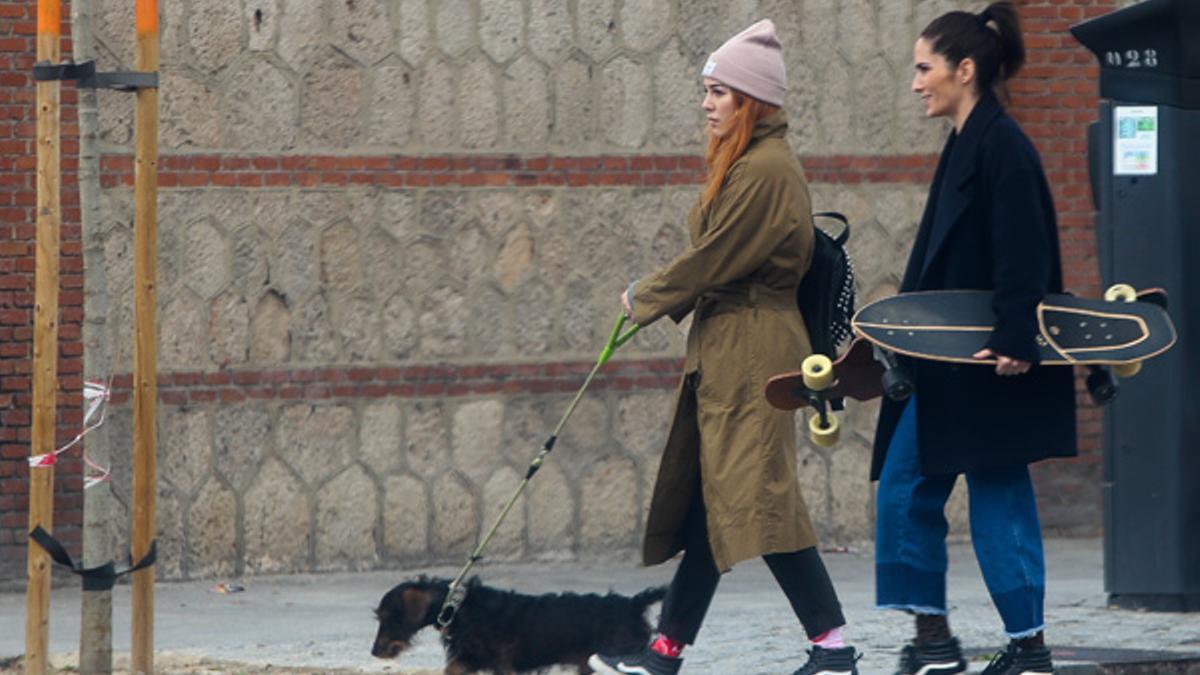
(910, 536)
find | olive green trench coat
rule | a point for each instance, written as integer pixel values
(748, 251)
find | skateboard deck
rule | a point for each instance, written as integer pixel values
(953, 325)
(856, 375)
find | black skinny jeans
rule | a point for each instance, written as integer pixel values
(801, 574)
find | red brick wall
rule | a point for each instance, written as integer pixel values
(1054, 99)
(18, 196)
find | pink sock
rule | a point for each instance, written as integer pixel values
(667, 647)
(830, 639)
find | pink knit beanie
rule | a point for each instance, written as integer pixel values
(752, 63)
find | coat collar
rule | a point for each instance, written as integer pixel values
(966, 142)
(961, 156)
(772, 126)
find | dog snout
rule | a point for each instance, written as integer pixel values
(387, 648)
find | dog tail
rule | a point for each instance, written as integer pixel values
(649, 597)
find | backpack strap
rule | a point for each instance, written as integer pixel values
(834, 215)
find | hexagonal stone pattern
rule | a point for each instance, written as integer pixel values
(181, 342)
(427, 439)
(626, 102)
(526, 101)
(209, 261)
(642, 421)
(405, 517)
(212, 538)
(645, 23)
(270, 340)
(391, 104)
(276, 521)
(609, 506)
(596, 22)
(507, 543)
(260, 107)
(346, 513)
(500, 28)
(479, 105)
(242, 437)
(213, 50)
(301, 32)
(380, 438)
(361, 29)
(551, 507)
(186, 449)
(455, 523)
(549, 30)
(316, 441)
(476, 433)
(575, 111)
(188, 113)
(454, 26)
(331, 102)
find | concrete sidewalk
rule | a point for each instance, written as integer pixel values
(324, 622)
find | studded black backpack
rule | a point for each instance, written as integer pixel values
(826, 293)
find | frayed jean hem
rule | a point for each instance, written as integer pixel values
(915, 609)
(1026, 633)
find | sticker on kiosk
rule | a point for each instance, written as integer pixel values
(1135, 143)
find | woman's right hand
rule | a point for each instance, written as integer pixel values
(626, 305)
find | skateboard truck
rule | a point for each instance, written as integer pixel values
(1101, 384)
(896, 383)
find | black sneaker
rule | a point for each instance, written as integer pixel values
(1018, 660)
(932, 658)
(646, 662)
(823, 661)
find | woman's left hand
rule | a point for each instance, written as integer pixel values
(1004, 364)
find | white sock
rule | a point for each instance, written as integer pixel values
(830, 639)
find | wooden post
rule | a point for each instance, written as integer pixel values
(45, 339)
(145, 367)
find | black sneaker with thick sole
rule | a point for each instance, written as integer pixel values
(645, 662)
(932, 658)
(821, 661)
(1018, 660)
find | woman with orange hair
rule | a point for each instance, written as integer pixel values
(727, 487)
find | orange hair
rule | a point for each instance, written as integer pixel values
(724, 150)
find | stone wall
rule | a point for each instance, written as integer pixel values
(392, 237)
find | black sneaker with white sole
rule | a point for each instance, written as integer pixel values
(821, 661)
(1018, 660)
(932, 658)
(645, 662)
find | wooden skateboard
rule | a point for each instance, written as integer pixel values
(1121, 331)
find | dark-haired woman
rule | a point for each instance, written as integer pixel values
(989, 223)
(727, 487)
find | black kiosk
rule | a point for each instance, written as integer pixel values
(1144, 161)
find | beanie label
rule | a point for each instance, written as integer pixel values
(709, 68)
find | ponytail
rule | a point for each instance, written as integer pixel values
(991, 38)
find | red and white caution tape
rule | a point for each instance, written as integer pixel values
(95, 397)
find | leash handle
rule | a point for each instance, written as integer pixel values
(616, 338)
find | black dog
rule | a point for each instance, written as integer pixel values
(505, 632)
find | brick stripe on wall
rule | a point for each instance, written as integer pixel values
(425, 381)
(265, 171)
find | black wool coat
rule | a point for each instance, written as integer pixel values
(989, 224)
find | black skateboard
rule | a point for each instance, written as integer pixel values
(1120, 332)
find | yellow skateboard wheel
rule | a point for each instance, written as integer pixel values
(1120, 293)
(824, 436)
(1127, 369)
(818, 372)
